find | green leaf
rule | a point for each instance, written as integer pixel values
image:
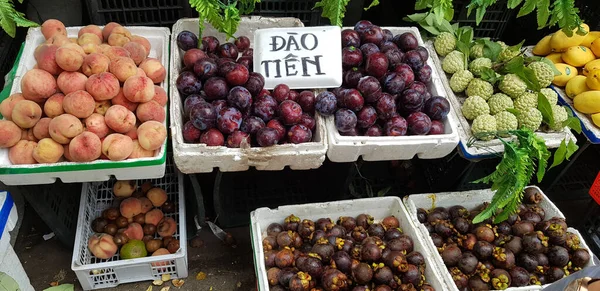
(573, 123)
(559, 155)
(415, 17)
(490, 75)
(247, 6)
(543, 13)
(430, 28)
(422, 4)
(545, 60)
(231, 20)
(491, 49)
(512, 4)
(571, 149)
(373, 4)
(384, 191)
(61, 287)
(564, 14)
(513, 111)
(546, 109)
(527, 8)
(334, 10)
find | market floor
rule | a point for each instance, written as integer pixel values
(226, 268)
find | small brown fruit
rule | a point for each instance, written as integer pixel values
(173, 246)
(121, 222)
(120, 239)
(149, 229)
(153, 245)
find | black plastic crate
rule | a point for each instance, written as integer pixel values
(590, 229)
(138, 12)
(301, 9)
(494, 21)
(9, 49)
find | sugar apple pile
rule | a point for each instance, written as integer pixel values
(474, 106)
(506, 121)
(543, 73)
(512, 85)
(453, 62)
(499, 102)
(478, 64)
(481, 88)
(530, 118)
(482, 124)
(444, 43)
(460, 80)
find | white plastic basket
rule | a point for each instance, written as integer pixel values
(94, 273)
(470, 200)
(200, 158)
(383, 148)
(379, 208)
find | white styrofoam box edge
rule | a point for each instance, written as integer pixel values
(486, 148)
(11, 265)
(13, 216)
(35, 38)
(470, 200)
(377, 207)
(350, 148)
(199, 158)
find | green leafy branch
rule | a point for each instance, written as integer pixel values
(335, 10)
(223, 17)
(10, 18)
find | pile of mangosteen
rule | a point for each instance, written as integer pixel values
(526, 249)
(354, 254)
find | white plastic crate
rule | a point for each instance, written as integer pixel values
(99, 170)
(379, 208)
(484, 149)
(470, 200)
(200, 158)
(382, 148)
(94, 273)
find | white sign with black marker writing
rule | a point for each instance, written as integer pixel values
(301, 57)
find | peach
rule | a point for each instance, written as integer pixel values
(141, 73)
(160, 95)
(154, 70)
(94, 29)
(26, 113)
(122, 68)
(90, 48)
(22, 153)
(8, 104)
(119, 119)
(154, 216)
(108, 29)
(37, 85)
(121, 100)
(133, 132)
(69, 59)
(58, 39)
(130, 207)
(89, 38)
(73, 40)
(10, 133)
(73, 46)
(138, 89)
(53, 27)
(95, 63)
(137, 52)
(122, 31)
(115, 52)
(116, 39)
(102, 246)
(54, 105)
(65, 127)
(103, 86)
(146, 204)
(71, 81)
(117, 147)
(134, 231)
(150, 110)
(66, 154)
(166, 227)
(27, 134)
(103, 48)
(124, 188)
(140, 152)
(151, 135)
(85, 147)
(157, 195)
(48, 151)
(95, 124)
(40, 129)
(143, 41)
(46, 59)
(102, 106)
(79, 103)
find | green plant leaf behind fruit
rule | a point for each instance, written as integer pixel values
(559, 155)
(545, 108)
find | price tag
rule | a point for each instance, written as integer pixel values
(302, 57)
(595, 189)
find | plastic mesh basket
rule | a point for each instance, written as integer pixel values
(95, 273)
(138, 12)
(493, 24)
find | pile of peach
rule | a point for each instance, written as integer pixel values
(87, 98)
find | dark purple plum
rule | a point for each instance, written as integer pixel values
(189, 102)
(251, 124)
(267, 137)
(437, 127)
(308, 121)
(237, 138)
(242, 43)
(203, 116)
(216, 88)
(368, 49)
(392, 83)
(372, 34)
(426, 95)
(209, 44)
(406, 73)
(424, 53)
(387, 34)
(192, 56)
(396, 126)
(351, 57)
(370, 88)
(212, 137)
(205, 68)
(326, 103)
(229, 120)
(386, 106)
(420, 87)
(395, 57)
(406, 41)
(424, 74)
(238, 76)
(306, 99)
(188, 83)
(410, 101)
(362, 25)
(437, 107)
(418, 123)
(265, 107)
(353, 100)
(377, 65)
(246, 62)
(187, 40)
(345, 120)
(366, 117)
(294, 95)
(255, 83)
(248, 53)
(225, 66)
(219, 104)
(191, 134)
(264, 92)
(290, 112)
(413, 59)
(351, 77)
(281, 92)
(299, 134)
(374, 130)
(278, 126)
(240, 98)
(350, 38)
(228, 50)
(385, 46)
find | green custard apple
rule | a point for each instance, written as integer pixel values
(453, 62)
(507, 54)
(460, 80)
(482, 124)
(444, 43)
(560, 115)
(506, 121)
(481, 88)
(477, 65)
(476, 51)
(512, 85)
(525, 101)
(550, 94)
(543, 73)
(474, 106)
(530, 118)
(499, 102)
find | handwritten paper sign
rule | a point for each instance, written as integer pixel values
(302, 57)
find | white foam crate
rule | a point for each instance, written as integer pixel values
(379, 208)
(485, 149)
(382, 148)
(199, 158)
(470, 200)
(99, 170)
(94, 273)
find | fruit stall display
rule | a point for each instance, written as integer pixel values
(494, 89)
(528, 249)
(391, 104)
(86, 103)
(222, 117)
(131, 231)
(341, 245)
(576, 57)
